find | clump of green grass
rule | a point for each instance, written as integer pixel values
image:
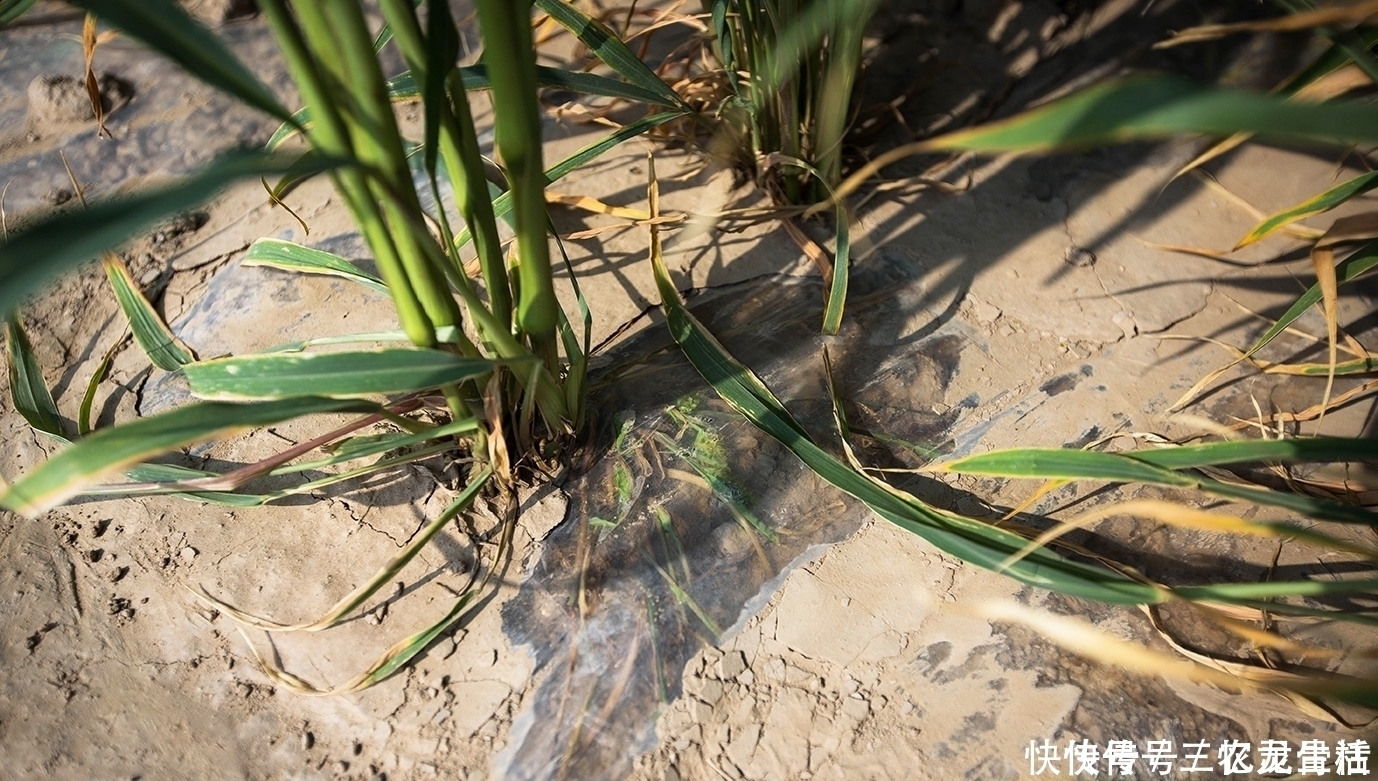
(792, 66)
(491, 366)
(500, 373)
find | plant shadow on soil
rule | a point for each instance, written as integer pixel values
(653, 563)
(693, 518)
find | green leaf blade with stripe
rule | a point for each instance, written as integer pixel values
(337, 375)
(28, 390)
(289, 256)
(1157, 107)
(164, 349)
(1310, 207)
(112, 450)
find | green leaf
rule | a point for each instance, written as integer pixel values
(1341, 369)
(88, 399)
(1149, 107)
(169, 473)
(442, 52)
(1352, 267)
(972, 541)
(54, 245)
(306, 166)
(475, 77)
(612, 51)
(13, 9)
(299, 119)
(593, 84)
(112, 450)
(1331, 60)
(166, 27)
(343, 374)
(1059, 464)
(837, 291)
(1062, 464)
(287, 256)
(162, 348)
(1297, 450)
(28, 390)
(373, 444)
(443, 335)
(1312, 206)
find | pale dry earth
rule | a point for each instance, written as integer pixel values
(1032, 289)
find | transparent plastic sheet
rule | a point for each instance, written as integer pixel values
(688, 518)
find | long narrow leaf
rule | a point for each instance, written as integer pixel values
(48, 248)
(1060, 464)
(287, 256)
(344, 374)
(475, 78)
(169, 473)
(162, 348)
(608, 48)
(1298, 450)
(1346, 270)
(28, 389)
(1312, 206)
(13, 9)
(111, 450)
(1160, 107)
(972, 541)
(88, 399)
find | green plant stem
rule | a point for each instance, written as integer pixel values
(511, 64)
(459, 150)
(379, 147)
(329, 135)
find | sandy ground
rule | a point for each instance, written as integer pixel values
(1024, 309)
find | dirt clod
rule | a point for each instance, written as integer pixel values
(59, 100)
(1080, 257)
(216, 12)
(58, 196)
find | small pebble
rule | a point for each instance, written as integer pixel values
(307, 741)
(188, 553)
